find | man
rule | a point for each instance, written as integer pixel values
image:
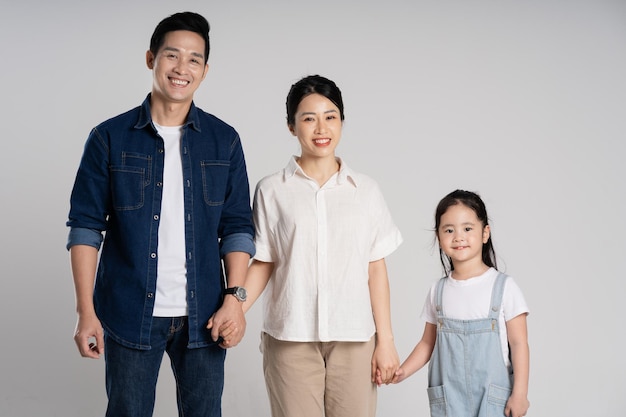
(167, 184)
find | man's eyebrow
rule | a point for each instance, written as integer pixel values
(173, 49)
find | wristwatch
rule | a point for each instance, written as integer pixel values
(239, 293)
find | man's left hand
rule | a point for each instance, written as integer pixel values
(228, 322)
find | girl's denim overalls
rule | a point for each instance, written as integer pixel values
(467, 375)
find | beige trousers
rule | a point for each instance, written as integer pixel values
(319, 379)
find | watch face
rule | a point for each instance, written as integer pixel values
(241, 293)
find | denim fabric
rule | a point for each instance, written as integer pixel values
(131, 374)
(467, 375)
(118, 191)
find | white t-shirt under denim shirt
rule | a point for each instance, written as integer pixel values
(171, 284)
(321, 241)
(470, 299)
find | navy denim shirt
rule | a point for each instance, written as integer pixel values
(118, 191)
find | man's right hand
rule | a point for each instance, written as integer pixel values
(89, 336)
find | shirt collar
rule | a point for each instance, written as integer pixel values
(345, 174)
(145, 117)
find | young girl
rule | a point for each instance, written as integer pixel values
(475, 322)
(322, 234)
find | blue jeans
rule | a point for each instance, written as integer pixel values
(131, 374)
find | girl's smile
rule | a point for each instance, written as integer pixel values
(461, 236)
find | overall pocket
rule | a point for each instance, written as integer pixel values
(437, 401)
(496, 400)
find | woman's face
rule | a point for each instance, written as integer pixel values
(317, 126)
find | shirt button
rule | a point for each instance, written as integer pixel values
(156, 217)
(159, 184)
(153, 255)
(160, 150)
(150, 295)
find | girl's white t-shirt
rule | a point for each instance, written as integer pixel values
(471, 299)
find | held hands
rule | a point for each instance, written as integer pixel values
(89, 336)
(385, 362)
(228, 323)
(399, 376)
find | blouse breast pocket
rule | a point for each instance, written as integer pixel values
(214, 181)
(128, 181)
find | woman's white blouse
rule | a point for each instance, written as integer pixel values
(321, 241)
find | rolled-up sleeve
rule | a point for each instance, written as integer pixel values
(237, 242)
(84, 236)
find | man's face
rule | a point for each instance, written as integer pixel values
(178, 67)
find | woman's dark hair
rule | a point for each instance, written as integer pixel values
(472, 201)
(312, 84)
(190, 21)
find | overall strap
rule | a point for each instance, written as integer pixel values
(496, 295)
(439, 296)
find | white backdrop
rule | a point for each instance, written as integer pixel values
(522, 101)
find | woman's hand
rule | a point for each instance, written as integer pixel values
(385, 362)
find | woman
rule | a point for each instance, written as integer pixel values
(322, 234)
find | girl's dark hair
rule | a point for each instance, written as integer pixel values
(473, 201)
(190, 21)
(312, 84)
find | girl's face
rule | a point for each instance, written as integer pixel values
(317, 126)
(462, 235)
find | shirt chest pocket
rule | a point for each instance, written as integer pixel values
(129, 180)
(214, 181)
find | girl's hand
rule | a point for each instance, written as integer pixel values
(516, 406)
(399, 376)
